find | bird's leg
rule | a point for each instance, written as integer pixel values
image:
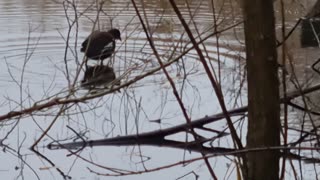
(101, 63)
(110, 62)
(86, 63)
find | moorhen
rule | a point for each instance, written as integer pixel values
(100, 45)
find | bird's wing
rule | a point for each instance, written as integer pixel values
(85, 42)
(108, 47)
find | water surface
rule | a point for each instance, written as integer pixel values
(38, 39)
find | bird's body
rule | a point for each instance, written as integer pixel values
(100, 45)
(99, 75)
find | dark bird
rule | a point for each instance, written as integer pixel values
(99, 75)
(100, 45)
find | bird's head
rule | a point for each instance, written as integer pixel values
(115, 33)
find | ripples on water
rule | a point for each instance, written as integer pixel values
(47, 23)
(36, 30)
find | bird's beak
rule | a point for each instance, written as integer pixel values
(120, 38)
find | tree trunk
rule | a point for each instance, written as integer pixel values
(263, 89)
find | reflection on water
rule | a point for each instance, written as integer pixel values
(35, 46)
